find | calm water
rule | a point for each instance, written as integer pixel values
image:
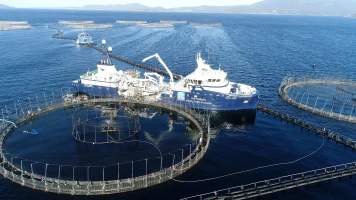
(257, 50)
(136, 138)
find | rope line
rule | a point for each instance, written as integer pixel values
(255, 169)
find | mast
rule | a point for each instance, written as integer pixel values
(105, 58)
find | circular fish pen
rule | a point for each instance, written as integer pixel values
(105, 124)
(109, 127)
(325, 97)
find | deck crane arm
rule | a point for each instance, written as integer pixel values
(156, 55)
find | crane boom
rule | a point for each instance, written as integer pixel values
(156, 55)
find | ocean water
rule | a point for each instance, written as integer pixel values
(259, 50)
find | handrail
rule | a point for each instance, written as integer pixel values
(283, 180)
(340, 114)
(41, 182)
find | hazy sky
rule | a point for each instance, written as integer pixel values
(163, 3)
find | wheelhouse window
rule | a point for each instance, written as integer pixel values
(196, 82)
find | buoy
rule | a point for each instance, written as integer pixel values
(33, 132)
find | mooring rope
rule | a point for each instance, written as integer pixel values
(255, 169)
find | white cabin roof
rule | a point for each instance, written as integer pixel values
(205, 72)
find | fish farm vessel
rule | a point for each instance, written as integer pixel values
(204, 89)
(84, 38)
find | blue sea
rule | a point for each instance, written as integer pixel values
(258, 50)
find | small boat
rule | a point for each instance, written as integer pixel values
(84, 39)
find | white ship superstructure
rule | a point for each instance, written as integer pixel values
(208, 79)
(84, 38)
(205, 88)
(106, 81)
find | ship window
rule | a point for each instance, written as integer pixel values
(199, 82)
(218, 80)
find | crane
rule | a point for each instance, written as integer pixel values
(156, 55)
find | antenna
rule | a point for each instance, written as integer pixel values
(106, 59)
(208, 54)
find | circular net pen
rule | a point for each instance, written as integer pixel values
(326, 97)
(105, 120)
(111, 126)
(346, 94)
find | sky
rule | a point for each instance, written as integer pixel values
(162, 3)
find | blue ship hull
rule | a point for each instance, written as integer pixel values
(202, 99)
(196, 99)
(95, 91)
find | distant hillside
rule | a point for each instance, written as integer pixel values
(289, 7)
(2, 6)
(306, 7)
(133, 7)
